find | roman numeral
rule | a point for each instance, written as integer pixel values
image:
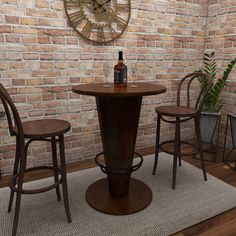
(72, 4)
(121, 22)
(122, 6)
(76, 17)
(112, 29)
(100, 33)
(117, 19)
(87, 29)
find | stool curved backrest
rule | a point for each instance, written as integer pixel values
(8, 103)
(206, 84)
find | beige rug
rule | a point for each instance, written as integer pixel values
(193, 201)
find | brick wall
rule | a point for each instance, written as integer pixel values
(41, 57)
(221, 37)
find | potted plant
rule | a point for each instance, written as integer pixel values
(210, 115)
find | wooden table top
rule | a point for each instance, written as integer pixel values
(110, 90)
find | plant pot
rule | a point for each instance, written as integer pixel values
(232, 117)
(208, 126)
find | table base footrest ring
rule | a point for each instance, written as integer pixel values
(118, 171)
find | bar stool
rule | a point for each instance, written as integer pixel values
(50, 130)
(178, 114)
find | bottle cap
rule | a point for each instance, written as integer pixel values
(120, 55)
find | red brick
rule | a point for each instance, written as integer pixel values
(18, 82)
(58, 40)
(12, 39)
(5, 29)
(28, 21)
(36, 113)
(9, 1)
(12, 19)
(46, 73)
(44, 56)
(3, 65)
(28, 39)
(58, 32)
(34, 98)
(31, 56)
(72, 40)
(19, 98)
(47, 97)
(46, 65)
(44, 40)
(15, 65)
(44, 22)
(41, 4)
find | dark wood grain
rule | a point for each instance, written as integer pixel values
(118, 118)
(109, 89)
(44, 128)
(175, 111)
(118, 111)
(138, 197)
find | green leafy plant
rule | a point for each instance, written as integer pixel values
(212, 102)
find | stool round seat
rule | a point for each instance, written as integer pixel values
(44, 128)
(176, 111)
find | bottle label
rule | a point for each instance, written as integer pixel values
(120, 76)
(117, 76)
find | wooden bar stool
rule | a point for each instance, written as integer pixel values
(179, 114)
(50, 130)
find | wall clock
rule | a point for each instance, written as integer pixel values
(99, 21)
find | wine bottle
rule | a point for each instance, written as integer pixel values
(120, 72)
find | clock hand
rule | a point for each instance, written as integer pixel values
(94, 1)
(105, 2)
(100, 5)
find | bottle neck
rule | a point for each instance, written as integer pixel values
(120, 61)
(120, 58)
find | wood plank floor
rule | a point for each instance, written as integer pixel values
(225, 223)
(221, 225)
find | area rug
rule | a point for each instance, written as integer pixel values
(194, 200)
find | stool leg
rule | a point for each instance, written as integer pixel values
(19, 190)
(18, 201)
(179, 157)
(157, 143)
(198, 134)
(64, 179)
(179, 160)
(227, 123)
(176, 150)
(55, 165)
(15, 170)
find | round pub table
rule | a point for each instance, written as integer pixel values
(118, 111)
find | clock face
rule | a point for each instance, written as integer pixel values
(99, 21)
